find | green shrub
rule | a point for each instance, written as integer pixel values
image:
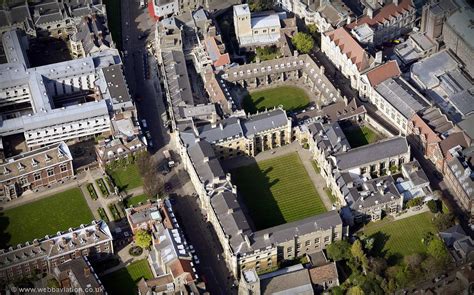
(414, 202)
(433, 205)
(103, 188)
(92, 192)
(102, 214)
(114, 212)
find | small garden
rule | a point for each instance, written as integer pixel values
(102, 214)
(124, 174)
(103, 188)
(92, 192)
(266, 53)
(136, 200)
(117, 210)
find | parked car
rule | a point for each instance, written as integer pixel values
(144, 124)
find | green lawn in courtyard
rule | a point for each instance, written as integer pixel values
(290, 97)
(114, 20)
(360, 135)
(123, 281)
(47, 216)
(126, 177)
(396, 239)
(135, 200)
(277, 191)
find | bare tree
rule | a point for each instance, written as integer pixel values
(145, 163)
(153, 184)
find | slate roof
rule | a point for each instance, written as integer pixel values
(366, 194)
(329, 137)
(370, 153)
(265, 121)
(208, 168)
(225, 129)
(401, 96)
(287, 283)
(82, 272)
(415, 173)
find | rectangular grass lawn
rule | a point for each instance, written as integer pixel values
(126, 177)
(47, 216)
(124, 281)
(395, 239)
(359, 136)
(135, 200)
(290, 97)
(277, 191)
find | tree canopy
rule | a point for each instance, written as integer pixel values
(339, 250)
(142, 238)
(260, 5)
(303, 42)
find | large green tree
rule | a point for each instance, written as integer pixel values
(303, 42)
(260, 5)
(358, 252)
(444, 221)
(339, 250)
(437, 249)
(142, 238)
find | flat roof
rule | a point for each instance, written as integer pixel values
(266, 21)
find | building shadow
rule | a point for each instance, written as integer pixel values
(254, 190)
(5, 237)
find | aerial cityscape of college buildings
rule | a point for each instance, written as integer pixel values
(237, 147)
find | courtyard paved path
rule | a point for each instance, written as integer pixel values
(295, 147)
(410, 212)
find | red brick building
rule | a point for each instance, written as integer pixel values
(35, 169)
(43, 255)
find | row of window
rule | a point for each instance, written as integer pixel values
(263, 31)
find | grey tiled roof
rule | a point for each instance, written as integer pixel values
(265, 121)
(208, 168)
(415, 173)
(329, 138)
(370, 153)
(372, 192)
(296, 282)
(401, 96)
(225, 129)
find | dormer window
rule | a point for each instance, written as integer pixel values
(47, 158)
(34, 163)
(6, 171)
(21, 167)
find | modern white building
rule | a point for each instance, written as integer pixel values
(61, 101)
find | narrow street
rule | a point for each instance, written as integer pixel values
(146, 92)
(201, 235)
